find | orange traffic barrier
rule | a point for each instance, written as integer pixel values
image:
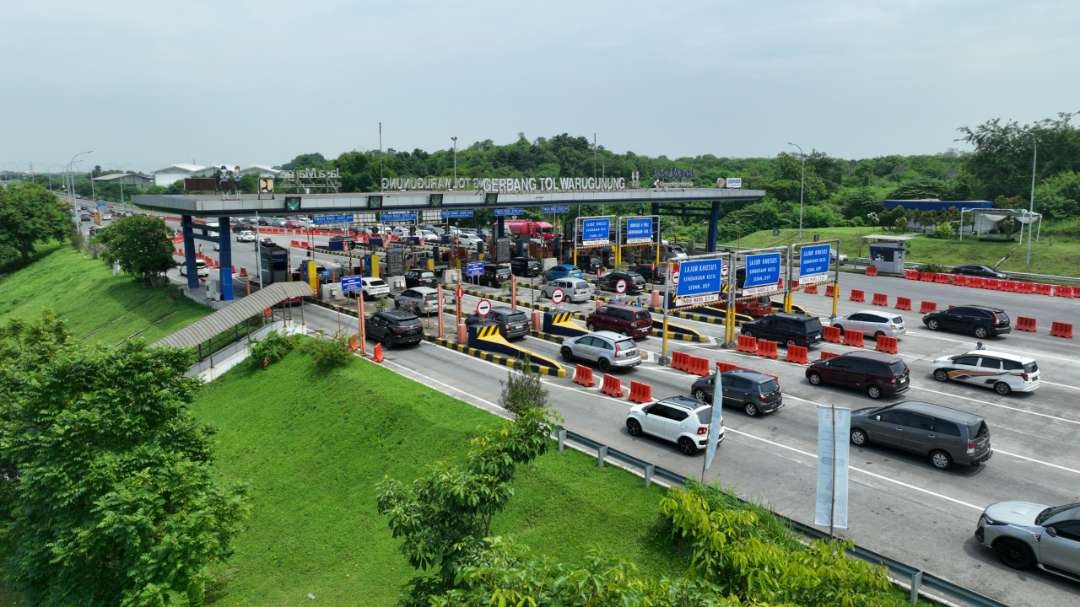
(810, 289)
(583, 376)
(927, 306)
(611, 386)
(1024, 323)
(798, 354)
(747, 343)
(640, 392)
(767, 348)
(831, 334)
(829, 290)
(881, 299)
(871, 270)
(1063, 291)
(1061, 329)
(887, 344)
(857, 295)
(853, 338)
(826, 355)
(680, 361)
(911, 274)
(354, 344)
(376, 355)
(724, 367)
(903, 303)
(698, 366)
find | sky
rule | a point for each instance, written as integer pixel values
(146, 84)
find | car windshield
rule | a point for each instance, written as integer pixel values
(897, 367)
(625, 344)
(430, 297)
(704, 415)
(1052, 510)
(375, 282)
(642, 315)
(813, 324)
(1031, 367)
(768, 387)
(516, 317)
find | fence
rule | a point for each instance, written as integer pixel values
(915, 580)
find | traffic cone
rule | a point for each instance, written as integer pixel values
(377, 354)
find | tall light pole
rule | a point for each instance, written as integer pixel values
(802, 183)
(1031, 207)
(71, 187)
(453, 138)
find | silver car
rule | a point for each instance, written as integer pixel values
(872, 323)
(606, 349)
(1026, 535)
(419, 300)
(575, 290)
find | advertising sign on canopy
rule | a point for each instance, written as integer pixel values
(699, 281)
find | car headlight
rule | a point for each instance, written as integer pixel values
(986, 520)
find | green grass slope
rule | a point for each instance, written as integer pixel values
(96, 305)
(312, 457)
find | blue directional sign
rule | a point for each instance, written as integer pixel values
(814, 259)
(325, 219)
(474, 269)
(596, 231)
(350, 284)
(398, 216)
(761, 270)
(554, 210)
(508, 212)
(699, 281)
(639, 230)
(457, 213)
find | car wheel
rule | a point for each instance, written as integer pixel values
(590, 326)
(1014, 553)
(567, 353)
(873, 391)
(859, 437)
(981, 332)
(750, 409)
(814, 378)
(604, 364)
(687, 446)
(940, 459)
(633, 426)
(941, 375)
(700, 395)
(932, 324)
(1002, 388)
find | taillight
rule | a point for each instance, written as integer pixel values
(1025, 376)
(971, 447)
(616, 349)
(702, 430)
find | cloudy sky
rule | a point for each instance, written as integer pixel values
(146, 84)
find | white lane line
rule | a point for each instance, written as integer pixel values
(993, 346)
(860, 470)
(1000, 406)
(1067, 386)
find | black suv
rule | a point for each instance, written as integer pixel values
(494, 275)
(875, 373)
(634, 282)
(420, 278)
(513, 324)
(395, 328)
(977, 270)
(753, 392)
(980, 321)
(523, 266)
(786, 327)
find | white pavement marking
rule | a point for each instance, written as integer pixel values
(1050, 383)
(993, 347)
(999, 405)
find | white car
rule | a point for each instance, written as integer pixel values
(245, 236)
(1026, 535)
(872, 323)
(607, 349)
(1000, 371)
(575, 290)
(679, 419)
(374, 287)
(200, 269)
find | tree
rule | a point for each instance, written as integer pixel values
(1002, 158)
(522, 390)
(109, 497)
(141, 244)
(29, 214)
(306, 161)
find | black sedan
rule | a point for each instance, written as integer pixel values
(979, 270)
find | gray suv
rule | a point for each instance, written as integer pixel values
(607, 349)
(944, 435)
(1026, 535)
(753, 392)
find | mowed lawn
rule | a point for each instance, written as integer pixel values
(1053, 254)
(96, 305)
(312, 448)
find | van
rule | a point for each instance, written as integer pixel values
(946, 436)
(875, 373)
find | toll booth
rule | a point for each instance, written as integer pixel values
(274, 263)
(887, 252)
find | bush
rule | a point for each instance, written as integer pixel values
(943, 230)
(329, 353)
(522, 390)
(270, 349)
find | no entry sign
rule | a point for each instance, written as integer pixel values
(557, 296)
(620, 286)
(483, 307)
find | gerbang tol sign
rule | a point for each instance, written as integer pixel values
(506, 184)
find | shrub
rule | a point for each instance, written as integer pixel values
(329, 353)
(270, 349)
(522, 390)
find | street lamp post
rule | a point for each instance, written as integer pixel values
(1031, 207)
(71, 187)
(454, 139)
(802, 184)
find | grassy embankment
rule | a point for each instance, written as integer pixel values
(96, 305)
(1057, 252)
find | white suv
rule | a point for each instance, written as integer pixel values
(871, 323)
(1026, 535)
(678, 419)
(999, 371)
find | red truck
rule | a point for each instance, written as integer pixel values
(530, 228)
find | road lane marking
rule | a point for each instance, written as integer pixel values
(999, 405)
(1050, 383)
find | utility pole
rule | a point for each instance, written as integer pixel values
(380, 156)
(1031, 207)
(71, 187)
(454, 139)
(802, 184)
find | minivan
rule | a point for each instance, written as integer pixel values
(946, 436)
(876, 373)
(628, 320)
(980, 321)
(784, 327)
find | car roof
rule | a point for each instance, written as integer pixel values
(612, 335)
(874, 312)
(979, 307)
(505, 310)
(623, 307)
(1001, 355)
(423, 290)
(750, 374)
(398, 314)
(793, 315)
(683, 402)
(872, 355)
(940, 411)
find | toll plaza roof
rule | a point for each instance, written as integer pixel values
(287, 204)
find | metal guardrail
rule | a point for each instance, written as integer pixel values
(912, 265)
(918, 580)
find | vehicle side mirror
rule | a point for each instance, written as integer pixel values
(1051, 532)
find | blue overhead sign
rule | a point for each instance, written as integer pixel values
(814, 260)
(639, 230)
(457, 213)
(398, 216)
(762, 270)
(554, 210)
(325, 219)
(699, 281)
(596, 231)
(350, 284)
(508, 212)
(474, 269)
